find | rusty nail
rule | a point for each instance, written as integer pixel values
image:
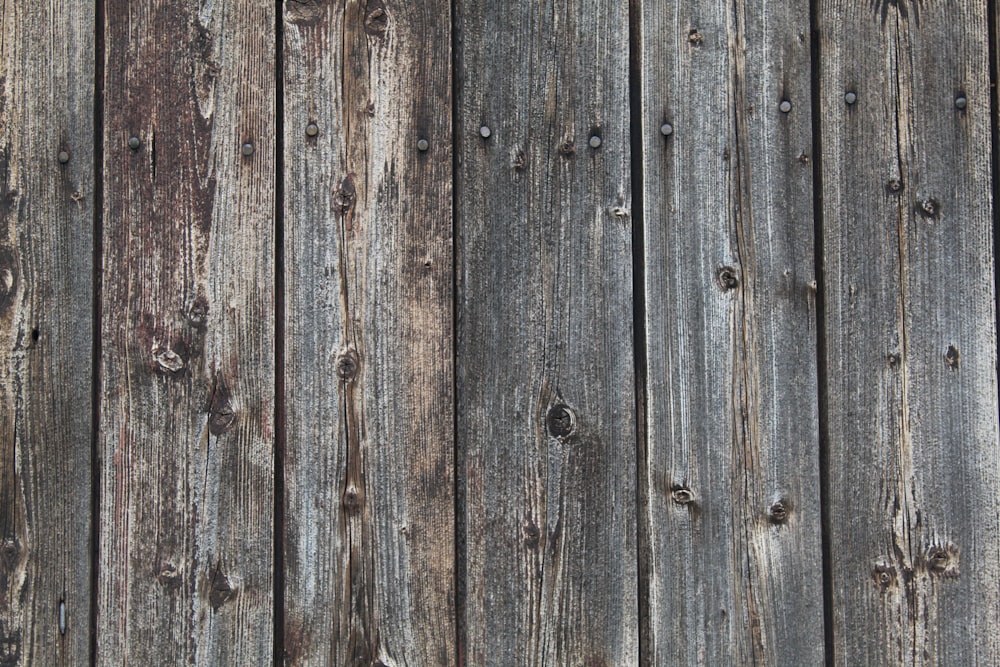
(312, 130)
(423, 145)
(851, 97)
(485, 132)
(63, 157)
(666, 129)
(785, 106)
(595, 141)
(133, 143)
(247, 149)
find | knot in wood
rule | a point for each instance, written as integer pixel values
(221, 591)
(169, 576)
(929, 208)
(531, 534)
(894, 186)
(567, 148)
(559, 421)
(695, 38)
(167, 360)
(942, 560)
(778, 511)
(352, 499)
(344, 196)
(728, 278)
(347, 365)
(682, 495)
(376, 20)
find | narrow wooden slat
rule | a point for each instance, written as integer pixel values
(46, 250)
(732, 507)
(911, 337)
(369, 506)
(545, 379)
(187, 387)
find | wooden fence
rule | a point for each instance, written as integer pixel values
(498, 333)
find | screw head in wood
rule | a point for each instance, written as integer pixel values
(312, 130)
(134, 143)
(63, 157)
(247, 149)
(423, 145)
(785, 106)
(666, 129)
(961, 102)
(595, 141)
(485, 132)
(850, 97)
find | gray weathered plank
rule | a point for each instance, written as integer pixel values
(369, 548)
(46, 249)
(545, 380)
(911, 338)
(731, 510)
(187, 387)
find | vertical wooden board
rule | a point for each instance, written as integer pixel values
(46, 250)
(545, 380)
(911, 340)
(187, 386)
(731, 508)
(369, 547)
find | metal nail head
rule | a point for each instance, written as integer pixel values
(247, 149)
(423, 145)
(785, 106)
(851, 97)
(960, 102)
(312, 130)
(485, 132)
(63, 157)
(133, 143)
(666, 129)
(595, 141)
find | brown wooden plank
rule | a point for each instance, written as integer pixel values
(369, 546)
(46, 250)
(545, 379)
(187, 387)
(911, 338)
(732, 506)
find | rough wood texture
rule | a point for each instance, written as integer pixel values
(731, 498)
(911, 339)
(46, 250)
(369, 548)
(187, 387)
(545, 385)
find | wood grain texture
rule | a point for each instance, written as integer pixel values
(46, 251)
(369, 547)
(731, 508)
(545, 380)
(187, 371)
(911, 338)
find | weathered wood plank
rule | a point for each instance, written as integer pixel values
(46, 250)
(545, 378)
(911, 337)
(731, 509)
(187, 387)
(368, 254)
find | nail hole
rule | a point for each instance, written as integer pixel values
(953, 357)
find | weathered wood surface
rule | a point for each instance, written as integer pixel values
(731, 512)
(369, 547)
(545, 384)
(187, 317)
(46, 251)
(910, 333)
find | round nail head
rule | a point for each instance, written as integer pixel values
(247, 149)
(960, 102)
(133, 143)
(312, 130)
(666, 129)
(423, 145)
(785, 106)
(851, 97)
(485, 132)
(63, 157)
(595, 141)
